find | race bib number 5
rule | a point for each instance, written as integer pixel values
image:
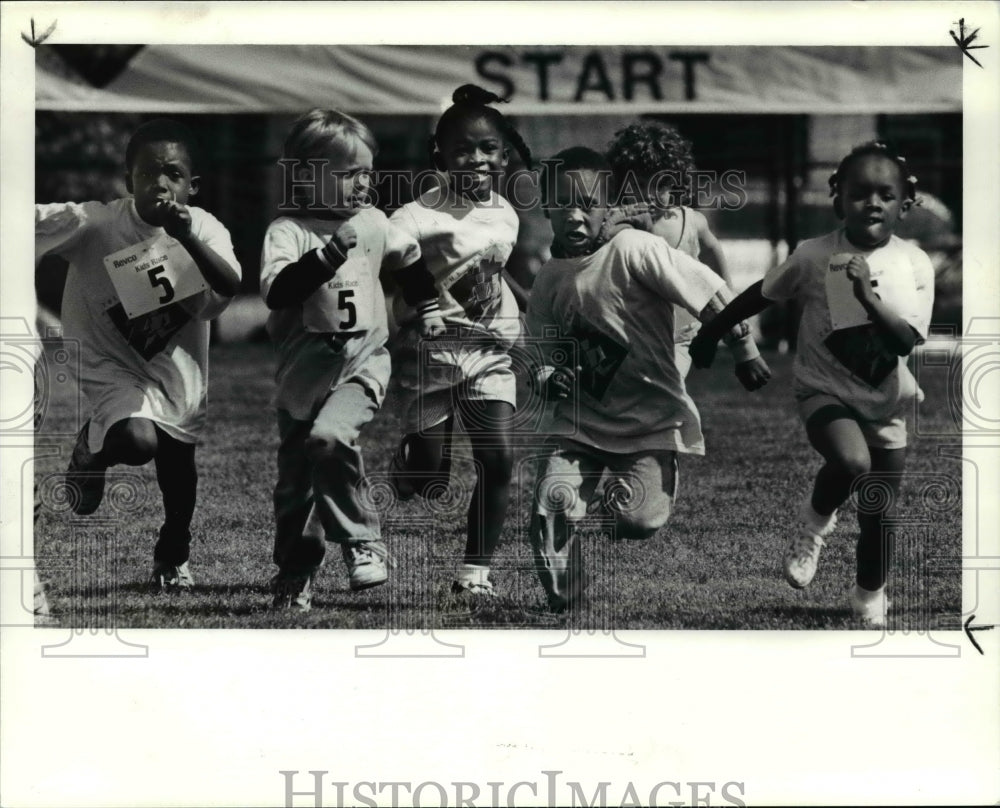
(344, 303)
(152, 274)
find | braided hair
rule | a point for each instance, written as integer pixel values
(878, 149)
(471, 102)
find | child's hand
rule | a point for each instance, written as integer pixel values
(559, 385)
(702, 350)
(340, 242)
(753, 374)
(860, 273)
(636, 216)
(176, 219)
(432, 326)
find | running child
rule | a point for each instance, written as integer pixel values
(146, 274)
(866, 296)
(466, 232)
(320, 272)
(632, 415)
(652, 162)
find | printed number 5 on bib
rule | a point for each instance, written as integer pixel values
(152, 274)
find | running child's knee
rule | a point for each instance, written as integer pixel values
(328, 442)
(854, 464)
(642, 523)
(132, 441)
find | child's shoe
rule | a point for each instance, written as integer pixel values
(802, 555)
(366, 564)
(168, 577)
(293, 592)
(473, 580)
(85, 476)
(870, 607)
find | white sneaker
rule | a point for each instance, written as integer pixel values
(802, 555)
(869, 607)
(171, 577)
(292, 592)
(366, 564)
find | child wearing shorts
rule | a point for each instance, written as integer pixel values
(866, 299)
(146, 275)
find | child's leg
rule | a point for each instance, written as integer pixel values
(565, 483)
(427, 463)
(834, 433)
(640, 492)
(132, 441)
(294, 553)
(178, 480)
(874, 547)
(489, 434)
(338, 480)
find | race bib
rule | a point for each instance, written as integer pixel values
(344, 303)
(152, 274)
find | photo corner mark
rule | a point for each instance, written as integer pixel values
(969, 628)
(964, 40)
(34, 39)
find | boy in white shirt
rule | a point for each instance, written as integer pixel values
(146, 275)
(320, 276)
(632, 414)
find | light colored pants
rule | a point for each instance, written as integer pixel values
(319, 495)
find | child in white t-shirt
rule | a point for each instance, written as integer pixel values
(866, 299)
(652, 162)
(630, 414)
(320, 269)
(146, 275)
(466, 232)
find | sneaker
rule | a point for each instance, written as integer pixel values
(479, 589)
(85, 476)
(560, 570)
(293, 592)
(399, 472)
(366, 564)
(171, 576)
(802, 555)
(870, 608)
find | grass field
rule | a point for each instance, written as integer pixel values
(716, 565)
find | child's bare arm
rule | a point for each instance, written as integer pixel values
(711, 254)
(720, 318)
(898, 334)
(219, 275)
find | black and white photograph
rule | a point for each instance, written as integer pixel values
(457, 352)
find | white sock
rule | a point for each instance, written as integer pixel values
(868, 595)
(474, 574)
(816, 521)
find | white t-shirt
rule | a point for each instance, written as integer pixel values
(351, 303)
(465, 245)
(840, 352)
(616, 307)
(160, 356)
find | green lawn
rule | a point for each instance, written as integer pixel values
(716, 565)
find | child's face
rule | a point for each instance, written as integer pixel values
(872, 200)
(474, 155)
(349, 166)
(576, 210)
(161, 172)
